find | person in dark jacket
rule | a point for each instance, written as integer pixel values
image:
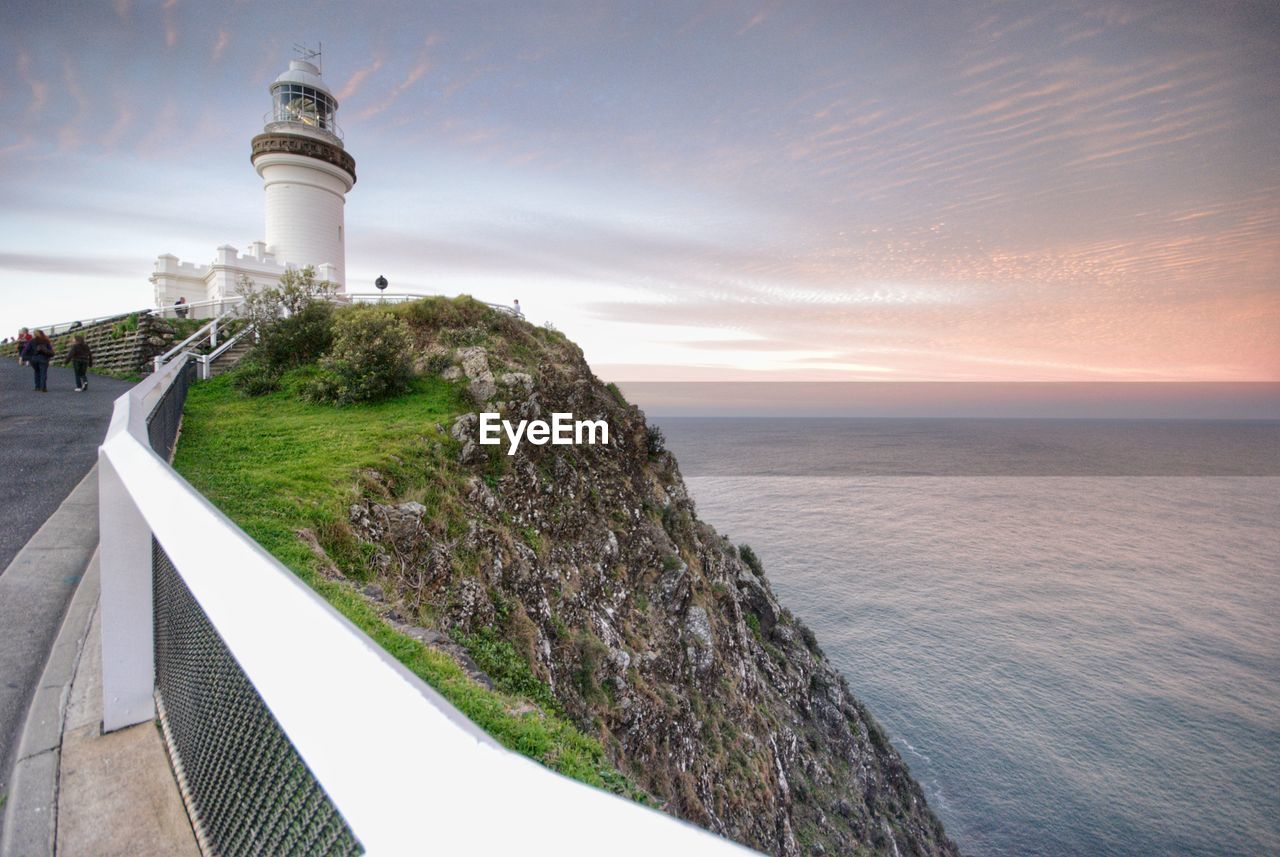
(38, 352)
(81, 359)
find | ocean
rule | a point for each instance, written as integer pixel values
(1070, 630)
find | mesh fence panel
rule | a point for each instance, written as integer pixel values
(163, 421)
(250, 791)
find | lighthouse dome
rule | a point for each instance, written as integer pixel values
(300, 101)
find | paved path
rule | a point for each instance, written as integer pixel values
(48, 443)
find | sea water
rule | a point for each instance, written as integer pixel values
(1071, 631)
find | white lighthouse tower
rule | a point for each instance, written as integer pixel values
(306, 174)
(305, 171)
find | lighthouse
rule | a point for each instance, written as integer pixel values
(306, 173)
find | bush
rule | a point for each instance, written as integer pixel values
(747, 555)
(253, 379)
(369, 360)
(294, 319)
(655, 440)
(437, 313)
(298, 339)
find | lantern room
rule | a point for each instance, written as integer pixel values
(299, 97)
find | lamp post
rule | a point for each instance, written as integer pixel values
(381, 283)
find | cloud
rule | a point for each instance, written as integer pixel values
(220, 45)
(353, 84)
(69, 134)
(81, 266)
(756, 20)
(415, 74)
(39, 88)
(170, 24)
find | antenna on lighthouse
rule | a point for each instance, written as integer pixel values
(306, 53)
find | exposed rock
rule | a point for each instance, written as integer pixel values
(521, 381)
(648, 627)
(475, 365)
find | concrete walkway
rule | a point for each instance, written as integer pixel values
(76, 791)
(48, 442)
(34, 592)
(64, 786)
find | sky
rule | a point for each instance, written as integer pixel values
(710, 191)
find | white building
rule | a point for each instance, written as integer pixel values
(306, 174)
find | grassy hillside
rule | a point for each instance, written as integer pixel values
(285, 471)
(567, 598)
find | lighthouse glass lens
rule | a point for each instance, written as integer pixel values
(304, 104)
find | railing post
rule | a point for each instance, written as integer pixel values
(213, 333)
(128, 656)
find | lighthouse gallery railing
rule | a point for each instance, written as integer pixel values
(291, 730)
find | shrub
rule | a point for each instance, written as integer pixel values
(747, 555)
(298, 339)
(436, 313)
(253, 379)
(438, 363)
(807, 635)
(655, 440)
(369, 360)
(294, 319)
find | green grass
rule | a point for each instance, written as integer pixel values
(277, 465)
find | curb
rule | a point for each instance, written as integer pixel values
(30, 813)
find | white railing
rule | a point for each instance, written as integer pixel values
(65, 326)
(194, 309)
(222, 307)
(206, 361)
(405, 769)
(199, 309)
(209, 330)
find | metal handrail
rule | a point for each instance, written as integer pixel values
(373, 776)
(206, 361)
(274, 117)
(170, 310)
(210, 329)
(76, 324)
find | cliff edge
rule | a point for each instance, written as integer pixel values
(587, 571)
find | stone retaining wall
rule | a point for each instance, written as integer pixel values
(124, 344)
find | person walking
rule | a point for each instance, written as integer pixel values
(81, 359)
(180, 307)
(519, 313)
(24, 336)
(38, 352)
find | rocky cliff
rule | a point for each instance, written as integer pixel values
(651, 630)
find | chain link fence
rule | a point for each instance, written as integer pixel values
(249, 791)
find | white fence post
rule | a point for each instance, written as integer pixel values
(128, 656)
